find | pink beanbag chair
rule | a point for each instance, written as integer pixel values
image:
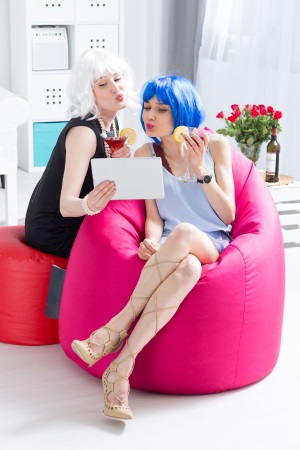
(24, 279)
(227, 332)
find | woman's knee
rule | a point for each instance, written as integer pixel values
(183, 231)
(190, 269)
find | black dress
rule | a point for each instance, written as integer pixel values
(45, 228)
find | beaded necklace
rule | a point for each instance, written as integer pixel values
(102, 130)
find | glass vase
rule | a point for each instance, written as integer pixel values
(252, 152)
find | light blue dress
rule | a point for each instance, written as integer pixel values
(187, 202)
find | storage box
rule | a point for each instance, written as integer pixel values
(95, 36)
(54, 12)
(45, 135)
(49, 101)
(49, 48)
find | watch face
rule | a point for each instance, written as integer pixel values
(207, 179)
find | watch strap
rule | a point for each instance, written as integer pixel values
(205, 180)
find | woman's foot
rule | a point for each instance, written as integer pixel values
(116, 387)
(101, 342)
(116, 390)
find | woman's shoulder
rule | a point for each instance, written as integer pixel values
(216, 138)
(77, 125)
(218, 144)
(81, 136)
(86, 122)
(144, 151)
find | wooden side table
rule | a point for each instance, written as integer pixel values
(287, 200)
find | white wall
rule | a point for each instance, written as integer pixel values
(145, 47)
(4, 44)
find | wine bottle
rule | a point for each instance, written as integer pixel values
(272, 161)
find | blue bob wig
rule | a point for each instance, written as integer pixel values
(182, 97)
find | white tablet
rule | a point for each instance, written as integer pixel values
(135, 178)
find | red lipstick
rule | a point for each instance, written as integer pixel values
(149, 126)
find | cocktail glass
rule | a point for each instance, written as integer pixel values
(114, 141)
(189, 174)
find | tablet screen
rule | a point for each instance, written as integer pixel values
(135, 178)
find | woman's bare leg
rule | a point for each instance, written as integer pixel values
(155, 271)
(184, 239)
(165, 300)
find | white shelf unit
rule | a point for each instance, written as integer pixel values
(89, 24)
(287, 200)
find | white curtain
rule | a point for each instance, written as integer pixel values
(250, 54)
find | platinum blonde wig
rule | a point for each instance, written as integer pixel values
(92, 65)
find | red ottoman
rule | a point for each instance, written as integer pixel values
(227, 332)
(24, 279)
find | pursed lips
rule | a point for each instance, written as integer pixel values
(149, 126)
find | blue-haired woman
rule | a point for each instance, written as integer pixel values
(99, 87)
(189, 227)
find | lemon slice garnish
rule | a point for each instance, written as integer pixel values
(129, 133)
(178, 133)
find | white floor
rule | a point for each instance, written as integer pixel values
(47, 402)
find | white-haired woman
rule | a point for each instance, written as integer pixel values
(100, 85)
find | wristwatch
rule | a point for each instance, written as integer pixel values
(206, 179)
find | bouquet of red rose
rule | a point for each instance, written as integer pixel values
(251, 124)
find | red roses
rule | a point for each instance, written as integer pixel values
(250, 125)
